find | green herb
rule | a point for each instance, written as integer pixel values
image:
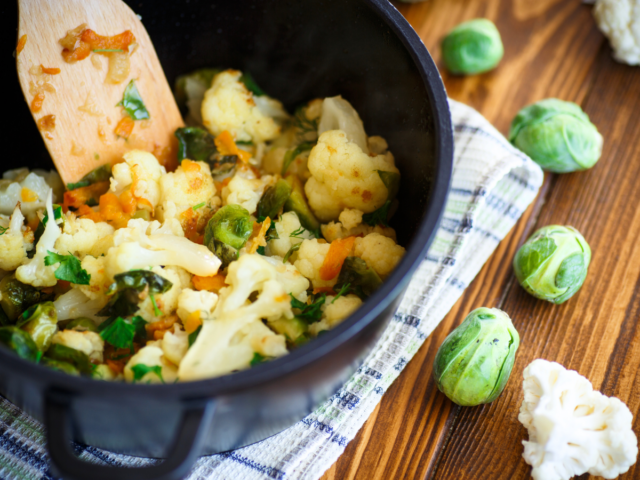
(156, 310)
(307, 129)
(69, 269)
(133, 104)
(200, 205)
(343, 291)
(251, 84)
(391, 180)
(379, 216)
(244, 142)
(298, 233)
(3, 230)
(119, 333)
(107, 50)
(38, 356)
(310, 313)
(291, 155)
(140, 370)
(193, 335)
(261, 251)
(195, 144)
(272, 233)
(100, 174)
(125, 291)
(257, 359)
(293, 249)
(139, 324)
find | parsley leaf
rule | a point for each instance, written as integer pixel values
(156, 310)
(200, 205)
(119, 333)
(309, 313)
(132, 103)
(140, 370)
(257, 359)
(139, 326)
(379, 216)
(3, 230)
(343, 291)
(293, 249)
(193, 335)
(69, 269)
(261, 251)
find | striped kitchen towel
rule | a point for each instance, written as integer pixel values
(493, 183)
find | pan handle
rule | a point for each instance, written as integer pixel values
(183, 454)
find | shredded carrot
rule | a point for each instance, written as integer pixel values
(124, 127)
(227, 146)
(81, 41)
(36, 103)
(80, 196)
(338, 251)
(128, 202)
(85, 211)
(47, 123)
(110, 208)
(160, 327)
(213, 284)
(189, 166)
(259, 240)
(50, 71)
(193, 321)
(22, 41)
(28, 195)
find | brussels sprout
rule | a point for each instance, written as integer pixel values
(41, 322)
(61, 366)
(20, 342)
(82, 324)
(16, 297)
(297, 202)
(126, 290)
(224, 252)
(273, 200)
(474, 362)
(231, 225)
(195, 144)
(557, 135)
(360, 277)
(78, 359)
(552, 265)
(472, 47)
(291, 328)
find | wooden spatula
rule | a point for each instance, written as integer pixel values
(82, 136)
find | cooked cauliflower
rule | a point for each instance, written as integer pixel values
(619, 20)
(35, 272)
(343, 176)
(140, 171)
(13, 247)
(75, 304)
(289, 277)
(80, 235)
(89, 343)
(381, 253)
(167, 302)
(286, 225)
(175, 344)
(228, 339)
(572, 428)
(151, 356)
(274, 159)
(228, 105)
(29, 189)
(350, 225)
(310, 259)
(246, 192)
(190, 301)
(334, 311)
(338, 114)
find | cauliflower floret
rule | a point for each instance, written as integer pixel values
(285, 226)
(619, 20)
(342, 175)
(79, 235)
(75, 304)
(263, 340)
(191, 184)
(13, 248)
(310, 259)
(35, 272)
(381, 253)
(191, 301)
(175, 344)
(142, 172)
(228, 339)
(334, 311)
(89, 343)
(167, 302)
(246, 192)
(350, 225)
(338, 114)
(572, 428)
(151, 356)
(99, 282)
(29, 189)
(228, 105)
(290, 278)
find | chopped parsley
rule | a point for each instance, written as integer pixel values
(156, 310)
(312, 312)
(193, 335)
(343, 291)
(118, 332)
(379, 216)
(257, 359)
(293, 249)
(3, 230)
(298, 233)
(140, 370)
(69, 269)
(133, 104)
(200, 205)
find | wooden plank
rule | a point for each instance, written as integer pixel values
(596, 332)
(550, 51)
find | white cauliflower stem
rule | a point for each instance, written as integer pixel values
(619, 20)
(572, 428)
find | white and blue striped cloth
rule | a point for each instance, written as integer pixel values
(493, 184)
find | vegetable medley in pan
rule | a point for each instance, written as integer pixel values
(272, 230)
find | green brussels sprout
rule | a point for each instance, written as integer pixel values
(59, 365)
(41, 322)
(82, 324)
(273, 199)
(552, 265)
(78, 359)
(16, 297)
(472, 47)
(359, 276)
(20, 342)
(224, 252)
(557, 135)
(297, 202)
(474, 362)
(292, 328)
(231, 225)
(126, 289)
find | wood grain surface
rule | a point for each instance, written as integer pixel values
(552, 49)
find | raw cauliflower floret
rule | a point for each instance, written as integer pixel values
(89, 343)
(229, 105)
(285, 226)
(175, 344)
(343, 176)
(29, 189)
(381, 253)
(310, 259)
(619, 20)
(246, 192)
(573, 429)
(151, 356)
(167, 302)
(191, 301)
(13, 248)
(79, 235)
(190, 185)
(350, 225)
(334, 311)
(142, 172)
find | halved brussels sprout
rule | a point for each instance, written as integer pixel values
(126, 289)
(64, 367)
(472, 47)
(41, 322)
(291, 328)
(16, 297)
(297, 202)
(78, 359)
(231, 225)
(20, 342)
(361, 278)
(273, 199)
(82, 324)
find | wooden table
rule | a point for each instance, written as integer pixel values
(552, 49)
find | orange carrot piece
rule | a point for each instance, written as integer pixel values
(36, 103)
(22, 41)
(338, 251)
(189, 166)
(259, 240)
(50, 71)
(124, 127)
(28, 195)
(213, 284)
(193, 321)
(80, 196)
